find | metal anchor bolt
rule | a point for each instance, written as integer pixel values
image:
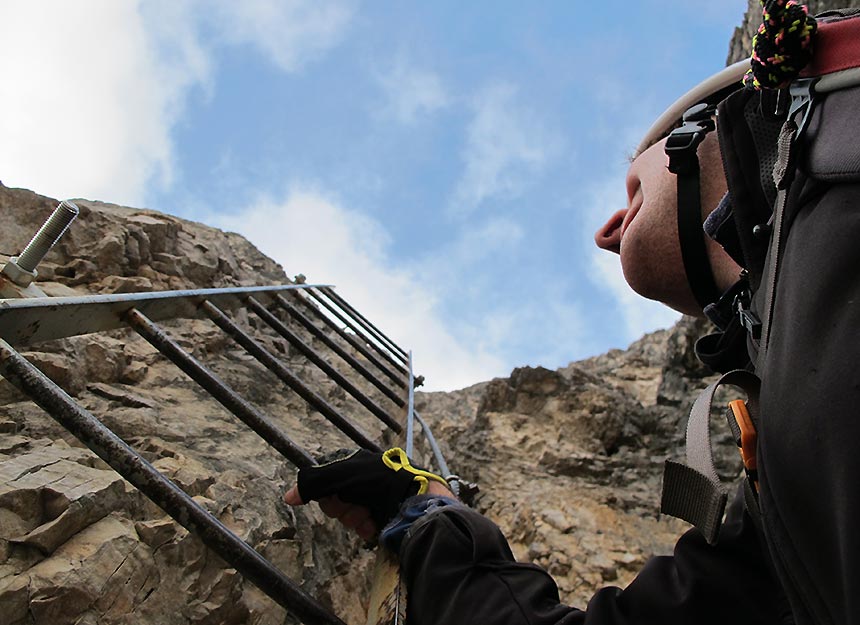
(22, 269)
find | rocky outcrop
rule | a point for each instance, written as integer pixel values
(77, 543)
(570, 462)
(123, 250)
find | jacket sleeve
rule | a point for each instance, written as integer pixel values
(459, 570)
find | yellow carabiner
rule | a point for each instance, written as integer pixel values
(396, 459)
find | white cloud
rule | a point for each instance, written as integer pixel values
(520, 318)
(476, 244)
(91, 90)
(507, 148)
(311, 234)
(87, 105)
(412, 92)
(540, 323)
(291, 33)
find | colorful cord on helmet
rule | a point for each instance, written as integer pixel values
(782, 46)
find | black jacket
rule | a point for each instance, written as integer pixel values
(460, 571)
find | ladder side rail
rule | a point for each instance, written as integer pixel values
(324, 366)
(398, 365)
(376, 332)
(452, 479)
(412, 416)
(351, 360)
(32, 320)
(362, 348)
(226, 396)
(410, 410)
(163, 492)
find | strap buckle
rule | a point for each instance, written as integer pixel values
(749, 320)
(693, 491)
(802, 91)
(682, 143)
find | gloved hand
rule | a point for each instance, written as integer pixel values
(377, 482)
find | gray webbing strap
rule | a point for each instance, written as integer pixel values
(693, 492)
(783, 173)
(802, 93)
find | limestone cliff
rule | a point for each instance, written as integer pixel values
(77, 543)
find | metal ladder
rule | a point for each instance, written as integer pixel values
(36, 319)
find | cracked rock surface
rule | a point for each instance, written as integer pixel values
(78, 544)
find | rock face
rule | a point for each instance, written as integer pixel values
(80, 545)
(570, 461)
(122, 250)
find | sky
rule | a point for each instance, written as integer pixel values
(443, 164)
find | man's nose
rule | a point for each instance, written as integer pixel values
(608, 237)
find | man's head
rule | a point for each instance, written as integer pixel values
(645, 233)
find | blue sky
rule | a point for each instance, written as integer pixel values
(443, 163)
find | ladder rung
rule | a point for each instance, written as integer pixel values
(350, 338)
(318, 334)
(285, 375)
(320, 362)
(216, 387)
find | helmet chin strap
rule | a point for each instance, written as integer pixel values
(681, 147)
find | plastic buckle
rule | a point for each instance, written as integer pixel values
(749, 320)
(802, 92)
(746, 438)
(682, 143)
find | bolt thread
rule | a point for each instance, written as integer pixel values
(48, 235)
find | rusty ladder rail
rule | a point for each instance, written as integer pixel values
(26, 321)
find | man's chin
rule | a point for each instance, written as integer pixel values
(652, 283)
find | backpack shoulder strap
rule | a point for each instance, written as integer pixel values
(693, 491)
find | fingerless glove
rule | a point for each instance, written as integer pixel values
(380, 482)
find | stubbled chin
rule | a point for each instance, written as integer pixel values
(653, 278)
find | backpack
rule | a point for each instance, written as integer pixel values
(792, 161)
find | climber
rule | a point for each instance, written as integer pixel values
(782, 281)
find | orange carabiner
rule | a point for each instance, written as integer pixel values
(745, 438)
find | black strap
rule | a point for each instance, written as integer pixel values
(692, 237)
(681, 147)
(726, 349)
